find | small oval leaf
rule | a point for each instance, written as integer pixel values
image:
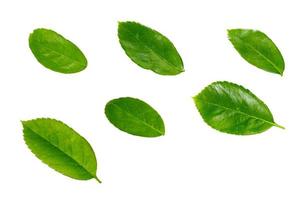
(55, 52)
(257, 49)
(230, 108)
(135, 117)
(149, 49)
(61, 148)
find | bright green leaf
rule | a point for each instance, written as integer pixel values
(55, 52)
(149, 49)
(135, 117)
(61, 148)
(233, 109)
(257, 49)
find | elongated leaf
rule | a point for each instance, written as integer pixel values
(55, 52)
(61, 148)
(258, 49)
(135, 117)
(233, 109)
(149, 49)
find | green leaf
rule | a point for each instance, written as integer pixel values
(55, 52)
(257, 49)
(149, 49)
(61, 148)
(134, 117)
(230, 108)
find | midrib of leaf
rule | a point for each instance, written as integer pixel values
(243, 113)
(169, 64)
(56, 147)
(263, 56)
(61, 54)
(138, 119)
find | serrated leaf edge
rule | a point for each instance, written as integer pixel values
(247, 90)
(23, 124)
(169, 63)
(258, 52)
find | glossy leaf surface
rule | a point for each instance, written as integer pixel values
(135, 117)
(257, 49)
(61, 148)
(55, 52)
(233, 109)
(149, 49)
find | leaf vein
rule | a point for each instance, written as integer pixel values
(242, 113)
(169, 64)
(262, 55)
(56, 147)
(143, 122)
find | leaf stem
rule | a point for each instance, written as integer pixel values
(279, 126)
(98, 180)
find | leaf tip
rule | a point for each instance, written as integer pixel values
(229, 31)
(163, 133)
(23, 122)
(120, 23)
(281, 74)
(195, 98)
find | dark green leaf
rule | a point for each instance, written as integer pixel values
(233, 109)
(258, 49)
(135, 117)
(61, 148)
(55, 52)
(149, 49)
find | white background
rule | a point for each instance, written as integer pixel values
(192, 161)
